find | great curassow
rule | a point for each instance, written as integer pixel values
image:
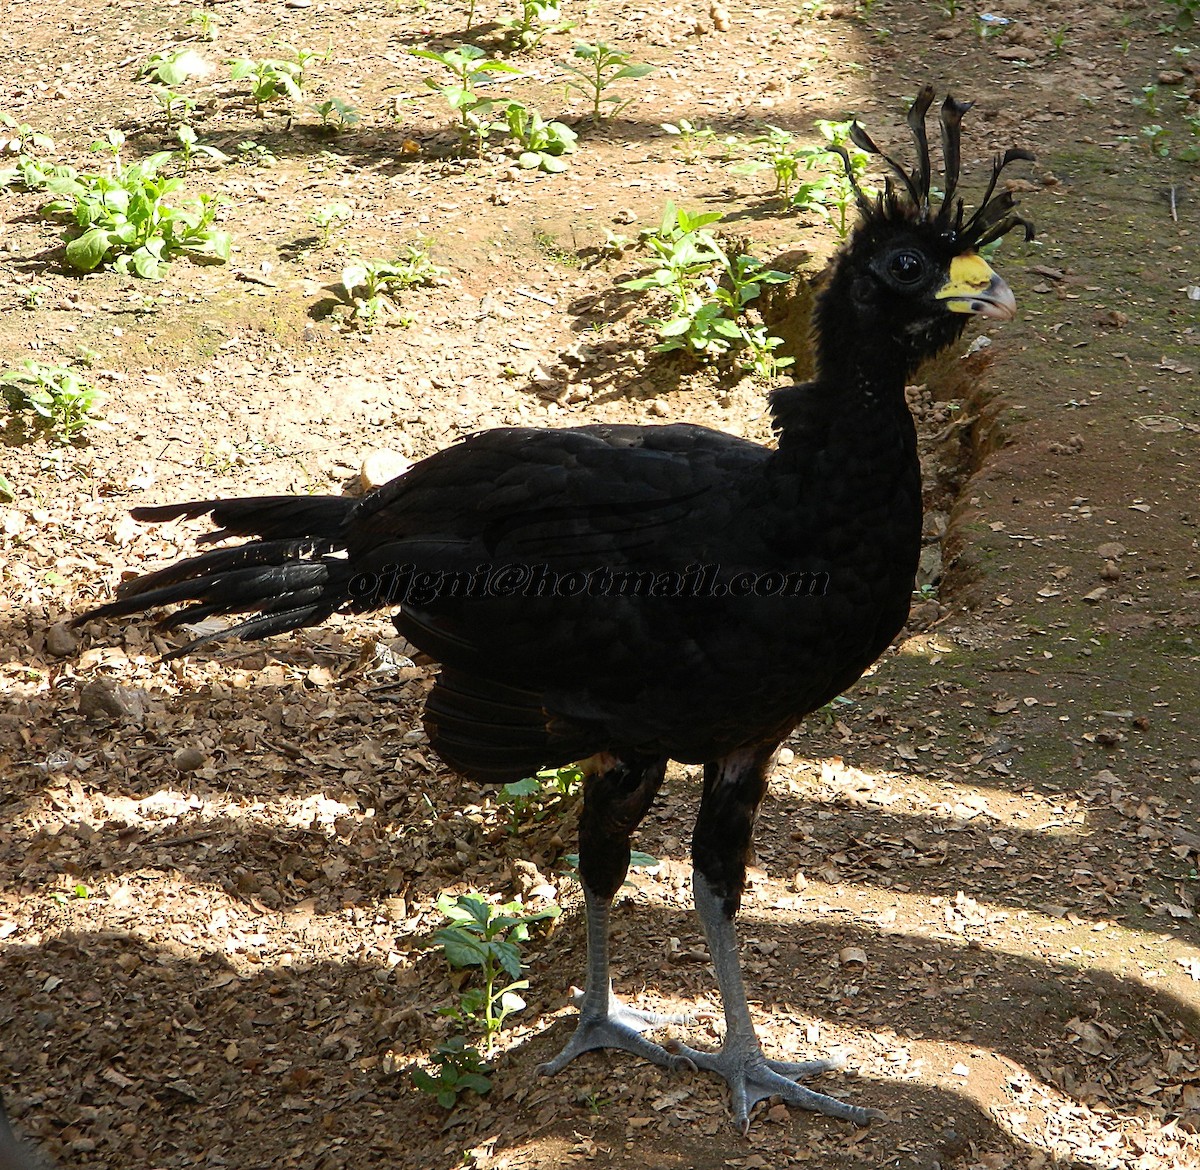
(629, 595)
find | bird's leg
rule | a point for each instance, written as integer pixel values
(614, 802)
(733, 790)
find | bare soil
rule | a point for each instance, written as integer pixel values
(978, 876)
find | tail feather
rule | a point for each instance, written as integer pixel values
(290, 576)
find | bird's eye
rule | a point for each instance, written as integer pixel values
(906, 267)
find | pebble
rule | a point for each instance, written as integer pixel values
(189, 759)
(786, 756)
(61, 640)
(382, 466)
(102, 697)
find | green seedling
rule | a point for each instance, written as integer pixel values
(836, 197)
(33, 297)
(536, 797)
(8, 493)
(274, 79)
(204, 23)
(487, 937)
(709, 292)
(166, 68)
(603, 67)
(369, 285)
(190, 147)
(951, 8)
(1158, 140)
(691, 140)
(347, 116)
(536, 19)
(329, 219)
(176, 106)
(779, 153)
(62, 399)
(122, 217)
(22, 138)
(256, 153)
(1148, 101)
(542, 143)
(459, 1069)
(469, 67)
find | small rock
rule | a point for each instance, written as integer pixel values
(189, 759)
(719, 15)
(101, 697)
(1110, 572)
(785, 756)
(625, 215)
(658, 409)
(1170, 77)
(382, 466)
(1111, 551)
(297, 3)
(61, 640)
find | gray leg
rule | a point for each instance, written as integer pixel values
(604, 1021)
(750, 1075)
(733, 790)
(614, 802)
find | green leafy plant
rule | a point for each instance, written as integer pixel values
(204, 23)
(542, 143)
(535, 20)
(274, 78)
(167, 67)
(190, 147)
(22, 138)
(256, 153)
(709, 292)
(836, 196)
(779, 153)
(691, 140)
(346, 114)
(122, 217)
(536, 797)
(487, 937)
(459, 1069)
(176, 106)
(369, 284)
(603, 67)
(329, 219)
(1185, 12)
(62, 399)
(469, 67)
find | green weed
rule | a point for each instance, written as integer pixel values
(709, 292)
(62, 399)
(535, 20)
(543, 144)
(487, 937)
(604, 67)
(122, 217)
(459, 1069)
(469, 67)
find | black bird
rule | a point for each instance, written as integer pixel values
(629, 595)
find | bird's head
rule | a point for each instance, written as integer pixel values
(915, 271)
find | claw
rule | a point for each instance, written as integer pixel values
(752, 1078)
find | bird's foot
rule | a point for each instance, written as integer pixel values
(615, 1025)
(752, 1078)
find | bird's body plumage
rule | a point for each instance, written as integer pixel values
(637, 594)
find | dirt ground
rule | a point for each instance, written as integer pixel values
(978, 876)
